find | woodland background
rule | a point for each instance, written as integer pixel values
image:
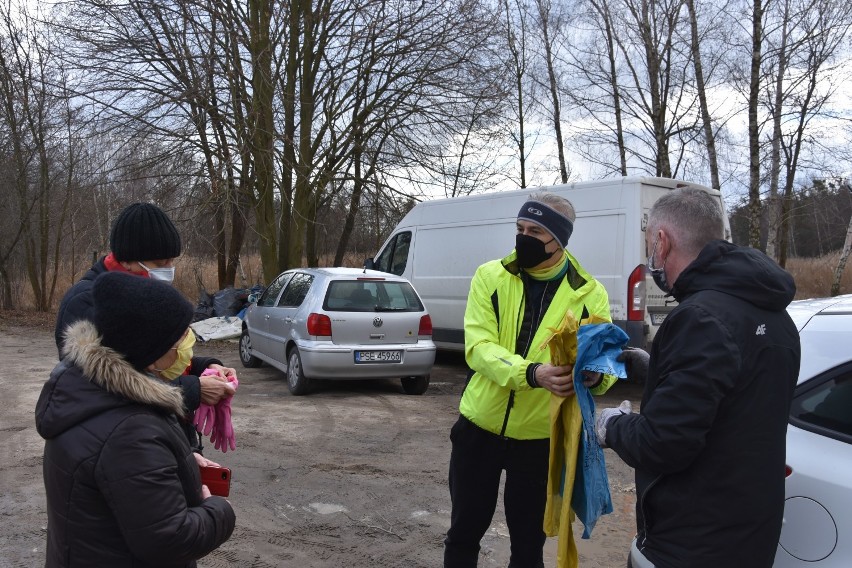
(280, 134)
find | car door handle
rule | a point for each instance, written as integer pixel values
(288, 320)
(266, 316)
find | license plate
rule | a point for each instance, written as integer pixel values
(378, 356)
(657, 319)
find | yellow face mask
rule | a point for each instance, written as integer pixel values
(184, 357)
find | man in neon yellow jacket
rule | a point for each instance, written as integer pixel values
(505, 422)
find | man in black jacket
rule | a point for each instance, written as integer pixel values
(145, 242)
(709, 445)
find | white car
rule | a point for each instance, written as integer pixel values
(817, 529)
(340, 323)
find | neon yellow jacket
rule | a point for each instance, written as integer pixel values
(498, 398)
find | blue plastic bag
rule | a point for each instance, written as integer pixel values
(598, 345)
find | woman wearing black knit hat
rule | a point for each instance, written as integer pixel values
(123, 486)
(145, 242)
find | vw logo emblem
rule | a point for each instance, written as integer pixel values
(535, 211)
(377, 322)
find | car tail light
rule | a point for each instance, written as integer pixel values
(319, 324)
(425, 326)
(636, 294)
(787, 470)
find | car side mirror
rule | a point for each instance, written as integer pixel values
(252, 298)
(369, 264)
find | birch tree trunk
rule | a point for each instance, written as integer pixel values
(602, 8)
(516, 41)
(706, 119)
(773, 208)
(544, 7)
(841, 264)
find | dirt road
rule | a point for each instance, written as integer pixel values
(352, 475)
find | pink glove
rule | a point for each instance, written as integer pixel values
(204, 419)
(223, 430)
(205, 416)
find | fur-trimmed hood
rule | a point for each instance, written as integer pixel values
(92, 379)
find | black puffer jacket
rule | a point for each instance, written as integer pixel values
(123, 488)
(77, 304)
(709, 444)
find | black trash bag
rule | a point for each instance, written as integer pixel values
(229, 301)
(204, 307)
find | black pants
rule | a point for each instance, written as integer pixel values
(477, 461)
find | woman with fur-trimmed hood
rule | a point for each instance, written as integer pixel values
(123, 487)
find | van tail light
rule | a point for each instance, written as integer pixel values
(319, 325)
(787, 470)
(636, 294)
(425, 326)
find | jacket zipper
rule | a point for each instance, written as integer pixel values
(534, 325)
(645, 514)
(509, 406)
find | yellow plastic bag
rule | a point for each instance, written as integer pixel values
(562, 341)
(566, 422)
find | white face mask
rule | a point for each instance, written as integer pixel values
(164, 274)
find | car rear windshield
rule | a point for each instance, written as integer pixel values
(371, 296)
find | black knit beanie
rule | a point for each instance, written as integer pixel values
(144, 232)
(139, 317)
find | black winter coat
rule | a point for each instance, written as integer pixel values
(123, 488)
(78, 304)
(709, 445)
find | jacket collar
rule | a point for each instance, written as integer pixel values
(107, 369)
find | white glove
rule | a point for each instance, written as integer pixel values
(605, 416)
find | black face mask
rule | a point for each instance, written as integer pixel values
(531, 250)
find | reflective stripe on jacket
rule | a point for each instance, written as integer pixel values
(499, 348)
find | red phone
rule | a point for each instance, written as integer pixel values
(217, 480)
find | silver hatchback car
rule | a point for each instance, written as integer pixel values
(340, 323)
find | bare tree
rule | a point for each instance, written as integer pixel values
(650, 113)
(394, 84)
(805, 59)
(262, 131)
(173, 70)
(36, 116)
(553, 23)
(595, 91)
(515, 14)
(701, 90)
(758, 8)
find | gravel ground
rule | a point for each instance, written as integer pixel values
(354, 474)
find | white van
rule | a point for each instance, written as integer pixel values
(439, 244)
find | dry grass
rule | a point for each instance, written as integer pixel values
(815, 275)
(813, 279)
(192, 275)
